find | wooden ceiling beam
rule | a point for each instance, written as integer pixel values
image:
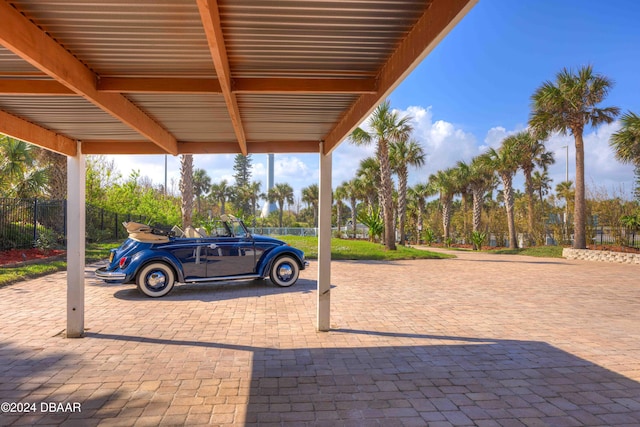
(158, 85)
(435, 23)
(34, 87)
(307, 86)
(18, 86)
(210, 16)
(18, 128)
(146, 147)
(28, 41)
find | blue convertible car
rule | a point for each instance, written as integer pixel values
(155, 260)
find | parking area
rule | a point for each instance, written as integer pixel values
(480, 340)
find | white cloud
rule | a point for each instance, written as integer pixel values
(444, 144)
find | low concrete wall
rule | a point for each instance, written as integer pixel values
(606, 256)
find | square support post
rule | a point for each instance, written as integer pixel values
(324, 243)
(75, 244)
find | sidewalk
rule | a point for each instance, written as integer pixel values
(482, 339)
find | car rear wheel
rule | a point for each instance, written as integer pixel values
(155, 279)
(284, 271)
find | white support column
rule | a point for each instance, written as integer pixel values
(324, 243)
(75, 244)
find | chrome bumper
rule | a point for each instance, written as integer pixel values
(103, 274)
(306, 264)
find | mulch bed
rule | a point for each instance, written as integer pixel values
(18, 257)
(613, 248)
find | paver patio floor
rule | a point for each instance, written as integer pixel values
(478, 340)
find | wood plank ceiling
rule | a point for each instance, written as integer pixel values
(206, 76)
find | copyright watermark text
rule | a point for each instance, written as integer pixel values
(39, 407)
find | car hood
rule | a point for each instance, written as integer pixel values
(267, 239)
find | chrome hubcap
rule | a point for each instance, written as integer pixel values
(157, 279)
(285, 272)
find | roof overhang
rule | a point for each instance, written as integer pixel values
(206, 76)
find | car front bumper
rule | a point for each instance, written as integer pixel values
(104, 274)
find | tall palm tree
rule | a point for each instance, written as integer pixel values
(386, 127)
(541, 185)
(419, 194)
(532, 153)
(221, 192)
(461, 175)
(480, 179)
(281, 193)
(254, 195)
(368, 181)
(444, 182)
(201, 186)
(353, 192)
(311, 198)
(565, 191)
(626, 144)
(404, 154)
(186, 188)
(339, 195)
(55, 169)
(567, 106)
(505, 162)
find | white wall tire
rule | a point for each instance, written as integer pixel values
(155, 280)
(284, 271)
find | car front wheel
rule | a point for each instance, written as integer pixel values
(155, 279)
(284, 271)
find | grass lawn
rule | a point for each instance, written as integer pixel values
(358, 250)
(94, 252)
(539, 251)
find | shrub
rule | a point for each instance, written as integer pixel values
(478, 238)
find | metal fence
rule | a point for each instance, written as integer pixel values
(284, 231)
(25, 223)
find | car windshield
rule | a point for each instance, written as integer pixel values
(237, 228)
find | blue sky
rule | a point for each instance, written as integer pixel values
(474, 89)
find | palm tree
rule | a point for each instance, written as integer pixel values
(505, 162)
(531, 153)
(19, 174)
(186, 188)
(221, 192)
(368, 181)
(461, 175)
(281, 193)
(626, 144)
(201, 185)
(339, 195)
(352, 191)
(254, 195)
(404, 154)
(480, 179)
(55, 169)
(541, 185)
(311, 198)
(444, 182)
(567, 106)
(386, 128)
(566, 191)
(418, 193)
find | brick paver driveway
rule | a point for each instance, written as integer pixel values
(478, 340)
